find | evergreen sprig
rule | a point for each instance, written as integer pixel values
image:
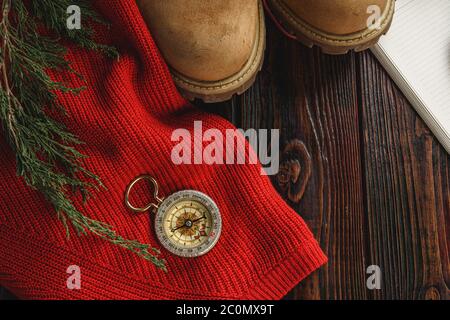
(45, 150)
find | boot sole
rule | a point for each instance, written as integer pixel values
(329, 43)
(222, 90)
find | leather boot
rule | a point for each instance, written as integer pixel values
(334, 25)
(214, 48)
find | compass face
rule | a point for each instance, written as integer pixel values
(188, 223)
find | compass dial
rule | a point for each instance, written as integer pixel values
(188, 223)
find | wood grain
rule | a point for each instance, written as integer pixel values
(406, 191)
(294, 170)
(379, 187)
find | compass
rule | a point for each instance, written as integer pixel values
(187, 223)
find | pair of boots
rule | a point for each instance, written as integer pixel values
(215, 48)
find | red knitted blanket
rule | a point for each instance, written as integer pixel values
(126, 117)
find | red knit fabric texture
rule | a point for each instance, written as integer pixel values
(126, 117)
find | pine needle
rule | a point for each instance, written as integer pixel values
(46, 153)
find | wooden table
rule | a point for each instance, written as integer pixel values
(378, 192)
(379, 188)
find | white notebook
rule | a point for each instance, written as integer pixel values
(416, 54)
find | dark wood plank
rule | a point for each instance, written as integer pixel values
(379, 187)
(407, 192)
(312, 97)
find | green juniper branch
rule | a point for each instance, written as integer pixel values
(45, 153)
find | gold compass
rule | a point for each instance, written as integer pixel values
(188, 222)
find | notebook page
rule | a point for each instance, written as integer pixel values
(418, 47)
